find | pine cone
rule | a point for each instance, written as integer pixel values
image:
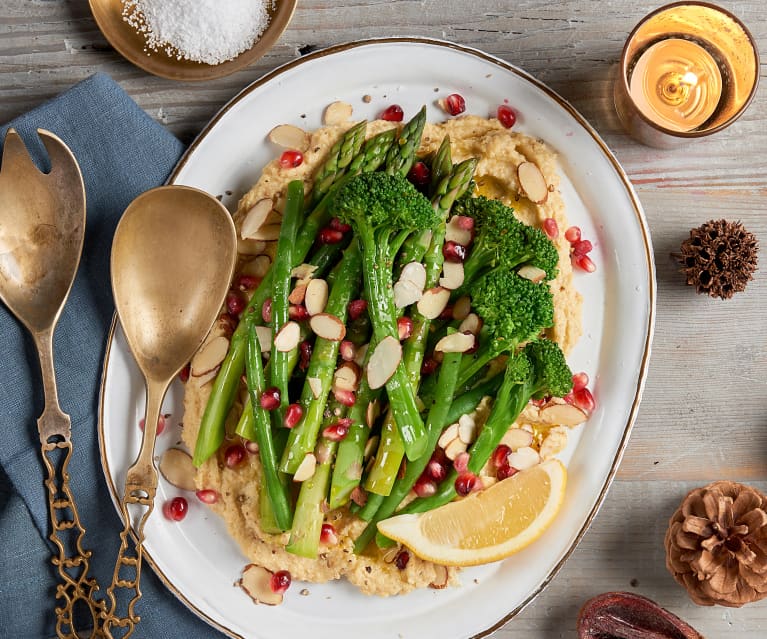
(719, 258)
(716, 544)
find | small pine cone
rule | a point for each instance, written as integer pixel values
(716, 544)
(719, 258)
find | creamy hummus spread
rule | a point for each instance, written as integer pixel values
(498, 151)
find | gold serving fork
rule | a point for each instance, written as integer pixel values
(42, 226)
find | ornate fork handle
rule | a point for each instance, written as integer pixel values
(127, 571)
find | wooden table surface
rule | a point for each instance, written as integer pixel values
(704, 412)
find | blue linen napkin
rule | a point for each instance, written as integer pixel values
(122, 152)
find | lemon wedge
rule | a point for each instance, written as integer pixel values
(488, 525)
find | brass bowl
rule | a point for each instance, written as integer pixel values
(130, 44)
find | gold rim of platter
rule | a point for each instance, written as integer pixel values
(131, 45)
(651, 287)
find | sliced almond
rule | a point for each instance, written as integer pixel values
(487, 481)
(384, 361)
(206, 377)
(455, 343)
(516, 438)
(298, 294)
(554, 443)
(390, 554)
(433, 302)
(532, 182)
(303, 273)
(370, 447)
(455, 448)
(256, 582)
(289, 137)
(210, 356)
(361, 355)
(257, 267)
(441, 577)
(315, 384)
(471, 323)
(306, 468)
(532, 273)
(328, 327)
(448, 435)
(524, 458)
(467, 429)
(267, 233)
(316, 296)
(177, 468)
(415, 273)
(264, 334)
(337, 113)
(406, 293)
(372, 413)
(255, 218)
(562, 415)
(347, 377)
(452, 275)
(461, 308)
(250, 247)
(288, 337)
(454, 232)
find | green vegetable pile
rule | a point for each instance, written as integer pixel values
(294, 410)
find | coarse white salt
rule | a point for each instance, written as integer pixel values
(208, 31)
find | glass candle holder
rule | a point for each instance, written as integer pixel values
(688, 69)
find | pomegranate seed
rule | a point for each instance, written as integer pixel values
(465, 222)
(447, 313)
(270, 398)
(585, 263)
(338, 431)
(347, 398)
(247, 282)
(266, 310)
(465, 483)
(580, 380)
(429, 366)
(235, 303)
(347, 350)
(338, 225)
(454, 252)
(280, 581)
(298, 312)
(207, 496)
(581, 247)
(328, 535)
(506, 116)
(551, 228)
(584, 400)
(505, 472)
(183, 374)
(419, 174)
(501, 455)
(436, 470)
(573, 234)
(175, 509)
(569, 398)
(403, 556)
(455, 104)
(425, 486)
(160, 423)
(538, 402)
(356, 308)
(404, 327)
(290, 159)
(234, 455)
(394, 113)
(293, 415)
(461, 462)
(330, 235)
(305, 350)
(227, 322)
(251, 447)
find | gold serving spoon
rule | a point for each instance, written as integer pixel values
(42, 226)
(173, 257)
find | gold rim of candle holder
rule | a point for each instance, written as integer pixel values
(738, 44)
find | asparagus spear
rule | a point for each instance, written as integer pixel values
(323, 364)
(401, 156)
(211, 433)
(338, 160)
